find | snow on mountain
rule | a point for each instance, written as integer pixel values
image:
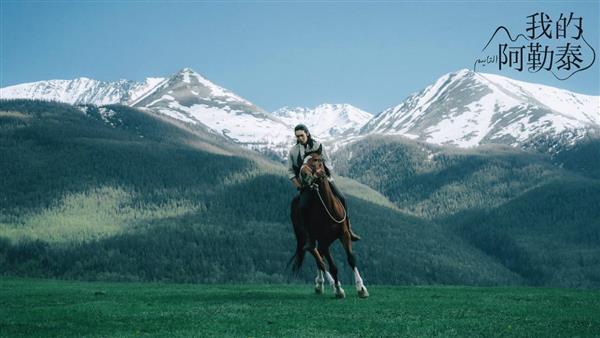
(327, 121)
(190, 97)
(467, 109)
(140, 90)
(186, 96)
(81, 91)
(462, 109)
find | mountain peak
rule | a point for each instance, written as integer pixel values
(83, 78)
(460, 73)
(327, 121)
(189, 97)
(335, 106)
(466, 109)
(188, 71)
(188, 75)
(464, 72)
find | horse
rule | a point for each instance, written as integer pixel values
(327, 222)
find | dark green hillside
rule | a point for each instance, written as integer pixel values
(238, 238)
(549, 235)
(114, 193)
(51, 150)
(538, 220)
(583, 158)
(127, 196)
(433, 182)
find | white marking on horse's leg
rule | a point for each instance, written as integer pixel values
(360, 286)
(339, 292)
(358, 280)
(329, 278)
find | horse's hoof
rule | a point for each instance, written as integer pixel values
(340, 294)
(319, 289)
(363, 293)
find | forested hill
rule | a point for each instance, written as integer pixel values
(116, 193)
(537, 214)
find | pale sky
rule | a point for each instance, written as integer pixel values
(277, 53)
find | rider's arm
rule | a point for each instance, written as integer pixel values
(296, 182)
(291, 172)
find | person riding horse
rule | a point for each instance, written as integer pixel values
(305, 144)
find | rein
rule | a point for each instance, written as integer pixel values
(328, 213)
(316, 186)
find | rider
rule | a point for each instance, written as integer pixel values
(304, 144)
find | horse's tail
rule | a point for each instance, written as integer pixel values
(298, 257)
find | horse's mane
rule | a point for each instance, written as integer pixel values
(318, 151)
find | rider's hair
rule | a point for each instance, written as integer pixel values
(305, 129)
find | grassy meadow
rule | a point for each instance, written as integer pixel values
(55, 308)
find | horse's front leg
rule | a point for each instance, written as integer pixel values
(360, 286)
(361, 290)
(337, 286)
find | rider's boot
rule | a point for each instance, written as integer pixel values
(353, 237)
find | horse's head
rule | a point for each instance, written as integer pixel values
(313, 163)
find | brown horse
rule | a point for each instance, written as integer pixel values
(327, 222)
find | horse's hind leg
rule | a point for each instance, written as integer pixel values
(337, 286)
(360, 286)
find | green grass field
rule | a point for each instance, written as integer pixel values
(42, 308)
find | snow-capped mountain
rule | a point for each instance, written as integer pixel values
(467, 109)
(189, 97)
(462, 109)
(186, 96)
(327, 121)
(82, 90)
